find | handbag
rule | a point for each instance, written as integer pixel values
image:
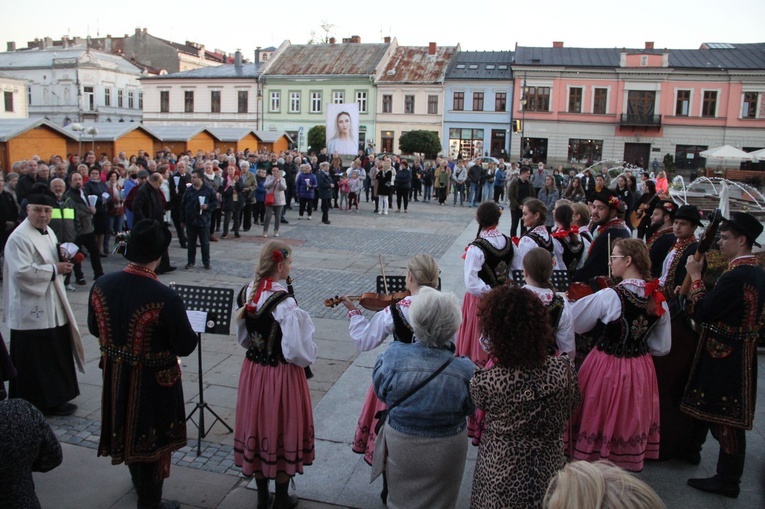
(269, 199)
(378, 461)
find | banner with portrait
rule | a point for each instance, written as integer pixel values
(343, 129)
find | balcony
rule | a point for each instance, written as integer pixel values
(631, 120)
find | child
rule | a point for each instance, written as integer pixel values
(344, 189)
(354, 185)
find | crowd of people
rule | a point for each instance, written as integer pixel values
(532, 375)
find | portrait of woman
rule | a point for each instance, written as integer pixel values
(344, 140)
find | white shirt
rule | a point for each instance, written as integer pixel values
(369, 334)
(564, 333)
(297, 327)
(606, 306)
(474, 259)
(526, 244)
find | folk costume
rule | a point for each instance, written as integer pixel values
(487, 263)
(45, 339)
(274, 420)
(142, 329)
(618, 419)
(369, 334)
(596, 263)
(659, 244)
(673, 267)
(539, 237)
(721, 390)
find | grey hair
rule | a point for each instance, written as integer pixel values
(244, 165)
(325, 164)
(435, 317)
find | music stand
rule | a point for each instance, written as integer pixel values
(217, 304)
(559, 279)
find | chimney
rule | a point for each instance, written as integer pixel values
(137, 31)
(355, 39)
(257, 54)
(238, 59)
(144, 29)
(557, 44)
(432, 48)
(48, 42)
(11, 46)
(649, 45)
(332, 40)
(108, 43)
(40, 43)
(386, 39)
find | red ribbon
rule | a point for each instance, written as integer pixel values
(465, 253)
(277, 256)
(652, 290)
(562, 234)
(516, 240)
(264, 285)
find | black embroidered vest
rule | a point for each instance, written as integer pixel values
(402, 331)
(626, 336)
(264, 333)
(572, 253)
(496, 262)
(544, 244)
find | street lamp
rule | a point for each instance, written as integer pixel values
(78, 128)
(93, 132)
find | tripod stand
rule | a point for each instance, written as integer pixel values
(216, 304)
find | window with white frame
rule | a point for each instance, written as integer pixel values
(683, 103)
(120, 95)
(294, 102)
(709, 103)
(131, 99)
(338, 97)
(275, 104)
(361, 99)
(575, 100)
(315, 102)
(107, 96)
(600, 101)
(749, 107)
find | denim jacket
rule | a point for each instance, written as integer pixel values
(440, 407)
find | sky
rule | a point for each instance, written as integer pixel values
(476, 24)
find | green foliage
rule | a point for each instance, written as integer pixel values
(420, 142)
(317, 138)
(669, 163)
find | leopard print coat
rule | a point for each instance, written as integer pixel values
(522, 446)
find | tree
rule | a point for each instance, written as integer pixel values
(317, 138)
(420, 142)
(669, 163)
(322, 37)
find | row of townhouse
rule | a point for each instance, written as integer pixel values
(556, 104)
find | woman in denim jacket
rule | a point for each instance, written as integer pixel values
(425, 438)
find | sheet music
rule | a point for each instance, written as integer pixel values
(197, 319)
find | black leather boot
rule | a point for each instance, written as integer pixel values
(264, 497)
(283, 498)
(148, 487)
(729, 470)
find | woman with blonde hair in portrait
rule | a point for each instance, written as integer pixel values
(619, 416)
(274, 435)
(344, 139)
(368, 334)
(275, 185)
(422, 448)
(599, 485)
(527, 396)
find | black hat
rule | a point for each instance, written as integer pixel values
(689, 213)
(147, 242)
(745, 224)
(609, 198)
(46, 199)
(668, 206)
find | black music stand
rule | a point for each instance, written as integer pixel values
(217, 303)
(559, 279)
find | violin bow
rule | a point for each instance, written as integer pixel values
(385, 279)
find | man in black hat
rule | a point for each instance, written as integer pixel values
(142, 328)
(661, 237)
(149, 204)
(45, 340)
(687, 219)
(605, 212)
(721, 390)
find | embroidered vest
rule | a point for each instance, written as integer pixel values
(627, 336)
(496, 261)
(402, 330)
(264, 333)
(572, 253)
(541, 242)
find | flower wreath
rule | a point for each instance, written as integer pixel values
(279, 255)
(614, 202)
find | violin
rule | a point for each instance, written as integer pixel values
(579, 290)
(369, 300)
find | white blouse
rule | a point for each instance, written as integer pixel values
(526, 244)
(369, 334)
(297, 327)
(606, 306)
(564, 334)
(474, 259)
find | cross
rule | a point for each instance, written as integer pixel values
(37, 312)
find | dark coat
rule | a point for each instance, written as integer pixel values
(142, 329)
(147, 204)
(325, 185)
